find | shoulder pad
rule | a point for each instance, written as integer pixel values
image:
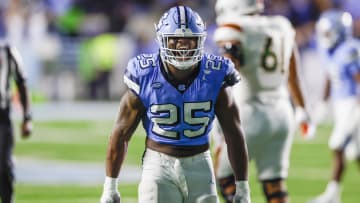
(137, 68)
(283, 23)
(232, 75)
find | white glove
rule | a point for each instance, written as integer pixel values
(302, 119)
(301, 115)
(242, 194)
(110, 193)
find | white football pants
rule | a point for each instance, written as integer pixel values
(167, 179)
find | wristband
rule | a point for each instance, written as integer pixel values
(242, 187)
(301, 115)
(110, 183)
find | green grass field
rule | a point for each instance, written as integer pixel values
(85, 141)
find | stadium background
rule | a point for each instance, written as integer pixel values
(74, 53)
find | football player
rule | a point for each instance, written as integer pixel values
(263, 49)
(176, 93)
(342, 58)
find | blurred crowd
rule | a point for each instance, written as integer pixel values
(78, 49)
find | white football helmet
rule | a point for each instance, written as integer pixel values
(238, 7)
(333, 27)
(181, 21)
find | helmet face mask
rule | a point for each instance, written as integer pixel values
(181, 23)
(327, 37)
(332, 28)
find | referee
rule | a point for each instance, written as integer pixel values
(10, 68)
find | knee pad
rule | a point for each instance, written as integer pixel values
(227, 188)
(274, 190)
(209, 198)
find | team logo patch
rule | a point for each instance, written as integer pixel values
(181, 87)
(156, 85)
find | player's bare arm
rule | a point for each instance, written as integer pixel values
(294, 80)
(327, 89)
(130, 111)
(229, 119)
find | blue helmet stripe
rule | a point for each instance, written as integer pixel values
(179, 17)
(182, 15)
(186, 17)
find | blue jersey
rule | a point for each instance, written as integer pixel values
(180, 114)
(342, 64)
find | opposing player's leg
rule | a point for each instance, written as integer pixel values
(332, 192)
(275, 191)
(344, 131)
(227, 188)
(273, 170)
(338, 165)
(273, 159)
(224, 174)
(330, 195)
(352, 150)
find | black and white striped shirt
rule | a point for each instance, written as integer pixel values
(10, 67)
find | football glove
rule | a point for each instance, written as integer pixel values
(242, 194)
(110, 193)
(303, 121)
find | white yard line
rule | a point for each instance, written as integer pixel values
(36, 171)
(92, 111)
(59, 172)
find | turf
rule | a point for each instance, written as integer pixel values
(86, 141)
(78, 141)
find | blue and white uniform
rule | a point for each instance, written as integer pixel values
(343, 63)
(178, 115)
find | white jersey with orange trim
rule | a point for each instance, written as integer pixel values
(268, 42)
(263, 97)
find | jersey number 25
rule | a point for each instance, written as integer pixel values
(173, 118)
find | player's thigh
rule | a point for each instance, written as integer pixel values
(345, 125)
(200, 180)
(273, 160)
(157, 183)
(158, 191)
(263, 123)
(352, 151)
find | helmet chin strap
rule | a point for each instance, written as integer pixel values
(165, 65)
